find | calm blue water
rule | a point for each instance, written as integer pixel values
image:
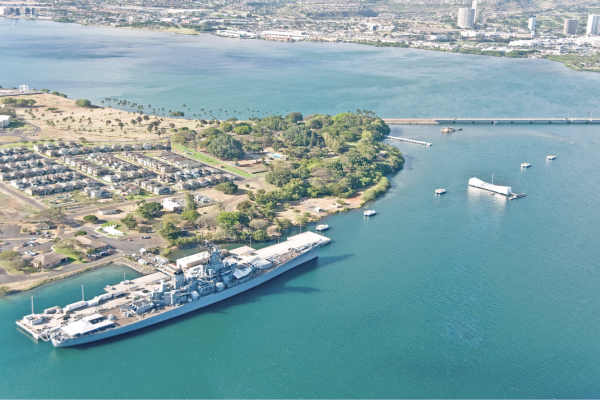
(464, 295)
(211, 73)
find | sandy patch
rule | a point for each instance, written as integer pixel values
(8, 139)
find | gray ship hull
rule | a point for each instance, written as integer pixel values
(193, 306)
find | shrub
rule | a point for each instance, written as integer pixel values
(227, 187)
(80, 233)
(226, 147)
(260, 235)
(92, 219)
(83, 103)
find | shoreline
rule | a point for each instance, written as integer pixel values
(14, 287)
(570, 61)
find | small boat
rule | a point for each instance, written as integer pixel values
(550, 157)
(447, 130)
(440, 191)
(369, 213)
(322, 227)
(525, 165)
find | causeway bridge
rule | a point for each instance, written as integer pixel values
(446, 121)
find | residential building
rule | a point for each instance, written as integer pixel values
(571, 26)
(466, 17)
(4, 121)
(593, 25)
(531, 24)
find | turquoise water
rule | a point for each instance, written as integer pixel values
(211, 73)
(464, 295)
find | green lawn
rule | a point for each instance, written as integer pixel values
(9, 269)
(211, 161)
(71, 257)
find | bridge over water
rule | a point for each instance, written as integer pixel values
(433, 121)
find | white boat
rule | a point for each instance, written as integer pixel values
(550, 157)
(525, 165)
(369, 213)
(176, 290)
(322, 227)
(440, 191)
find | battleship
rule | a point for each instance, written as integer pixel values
(190, 284)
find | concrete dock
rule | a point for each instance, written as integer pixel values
(506, 120)
(408, 140)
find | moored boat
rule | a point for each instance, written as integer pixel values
(369, 213)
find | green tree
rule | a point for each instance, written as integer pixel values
(190, 215)
(314, 124)
(226, 127)
(83, 103)
(260, 235)
(190, 203)
(10, 255)
(169, 232)
(227, 187)
(129, 221)
(92, 219)
(225, 147)
(51, 216)
(279, 178)
(295, 117)
(228, 219)
(242, 129)
(149, 210)
(80, 233)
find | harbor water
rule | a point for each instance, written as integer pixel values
(464, 295)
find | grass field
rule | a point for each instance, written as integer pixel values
(211, 161)
(71, 257)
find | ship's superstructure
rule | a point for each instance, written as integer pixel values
(191, 283)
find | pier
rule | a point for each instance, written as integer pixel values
(408, 140)
(506, 120)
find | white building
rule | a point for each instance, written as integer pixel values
(531, 24)
(236, 34)
(289, 36)
(466, 17)
(474, 8)
(4, 121)
(171, 205)
(571, 26)
(593, 24)
(472, 34)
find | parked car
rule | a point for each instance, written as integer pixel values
(145, 237)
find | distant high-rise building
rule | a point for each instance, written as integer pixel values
(593, 24)
(474, 7)
(571, 26)
(466, 17)
(531, 24)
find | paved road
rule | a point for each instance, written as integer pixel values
(20, 133)
(7, 278)
(22, 197)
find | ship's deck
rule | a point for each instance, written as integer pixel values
(282, 251)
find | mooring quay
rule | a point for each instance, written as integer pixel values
(408, 140)
(425, 121)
